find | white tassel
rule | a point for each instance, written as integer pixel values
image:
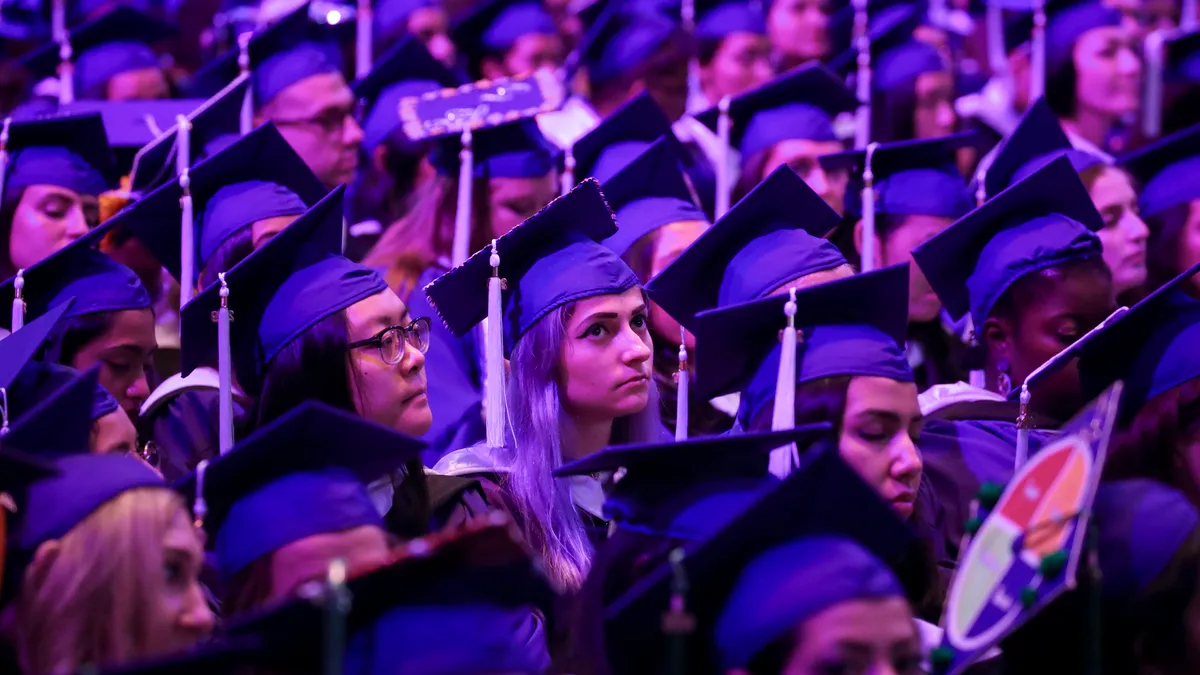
(246, 122)
(58, 21)
(862, 40)
(363, 40)
(3, 411)
(868, 200)
(494, 357)
(1022, 454)
(225, 370)
(681, 400)
(568, 177)
(462, 215)
(980, 187)
(200, 505)
(1187, 15)
(784, 460)
(183, 162)
(724, 189)
(4, 152)
(1037, 63)
(18, 307)
(688, 20)
(1153, 91)
(66, 73)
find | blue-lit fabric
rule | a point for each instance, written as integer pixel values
(701, 517)
(391, 16)
(643, 216)
(787, 585)
(290, 509)
(382, 120)
(38, 380)
(1177, 184)
(18, 348)
(240, 205)
(450, 640)
(1064, 28)
(1142, 526)
(920, 192)
(309, 296)
(85, 483)
(828, 351)
(56, 166)
(614, 158)
(283, 69)
(902, 65)
(626, 40)
(517, 150)
(1015, 251)
(55, 409)
(1081, 160)
(513, 22)
(786, 122)
(730, 18)
(96, 66)
(648, 194)
(773, 259)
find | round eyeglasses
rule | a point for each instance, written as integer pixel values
(391, 340)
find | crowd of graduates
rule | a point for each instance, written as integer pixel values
(455, 337)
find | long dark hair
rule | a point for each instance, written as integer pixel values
(893, 113)
(1162, 252)
(1060, 89)
(1154, 443)
(71, 335)
(230, 252)
(386, 195)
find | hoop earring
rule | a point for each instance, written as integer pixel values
(1003, 382)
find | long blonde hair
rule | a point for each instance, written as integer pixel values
(89, 605)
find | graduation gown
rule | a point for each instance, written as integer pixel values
(181, 418)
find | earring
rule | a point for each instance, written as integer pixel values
(1003, 382)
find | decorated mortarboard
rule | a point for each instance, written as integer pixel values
(158, 160)
(769, 238)
(852, 326)
(1044, 220)
(824, 499)
(257, 177)
(1168, 170)
(648, 194)
(1037, 140)
(461, 602)
(67, 151)
(799, 104)
(1027, 539)
(292, 49)
(288, 285)
(718, 19)
(622, 37)
(84, 483)
(18, 348)
(116, 42)
(620, 137)
(61, 422)
(301, 475)
(408, 69)
(1152, 348)
(97, 282)
(494, 26)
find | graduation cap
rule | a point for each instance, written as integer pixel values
(1037, 140)
(288, 285)
(769, 238)
(494, 26)
(131, 125)
(822, 503)
(116, 42)
(454, 604)
(852, 326)
(84, 483)
(1044, 220)
(61, 422)
(257, 177)
(1168, 170)
(1152, 348)
(1066, 22)
(799, 104)
(301, 475)
(67, 151)
(391, 16)
(289, 50)
(620, 137)
(648, 194)
(718, 19)
(896, 57)
(97, 282)
(18, 348)
(549, 260)
(408, 69)
(622, 37)
(208, 121)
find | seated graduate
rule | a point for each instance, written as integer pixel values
(1170, 193)
(732, 48)
(1152, 350)
(425, 20)
(659, 496)
(110, 324)
(292, 497)
(1148, 546)
(572, 324)
(507, 38)
(795, 583)
(1037, 140)
(113, 59)
(799, 32)
(141, 597)
(312, 325)
(658, 219)
(57, 169)
(918, 192)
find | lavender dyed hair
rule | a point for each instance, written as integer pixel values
(536, 417)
